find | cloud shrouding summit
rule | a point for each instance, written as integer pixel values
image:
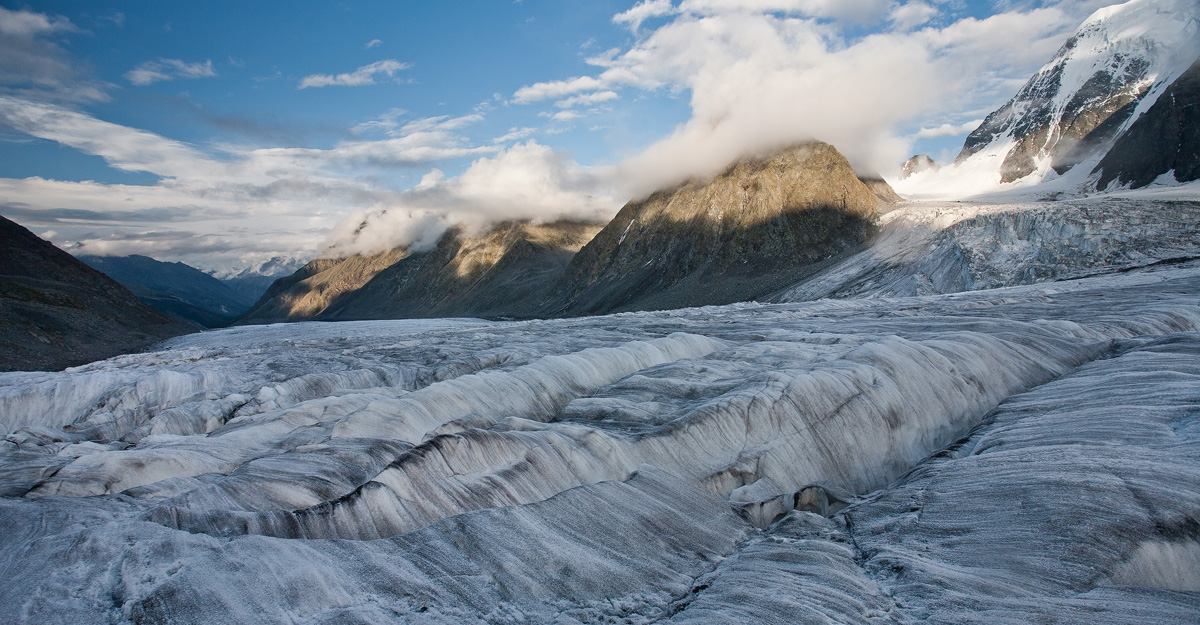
(762, 74)
(527, 181)
(869, 76)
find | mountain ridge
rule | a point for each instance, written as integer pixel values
(1071, 114)
(176, 288)
(56, 311)
(756, 227)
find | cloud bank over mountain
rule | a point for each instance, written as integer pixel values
(746, 77)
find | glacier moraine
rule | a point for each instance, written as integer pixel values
(1013, 455)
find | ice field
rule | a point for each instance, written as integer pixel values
(1008, 455)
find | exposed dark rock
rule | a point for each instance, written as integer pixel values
(760, 225)
(57, 312)
(1166, 137)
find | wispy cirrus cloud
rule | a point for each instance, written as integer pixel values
(34, 65)
(120, 146)
(224, 206)
(365, 75)
(642, 11)
(587, 99)
(169, 69)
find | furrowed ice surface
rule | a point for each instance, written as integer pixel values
(628, 468)
(1073, 503)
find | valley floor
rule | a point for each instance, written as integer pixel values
(1021, 454)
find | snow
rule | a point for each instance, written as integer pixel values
(1006, 453)
(1163, 34)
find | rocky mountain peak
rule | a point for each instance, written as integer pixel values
(1114, 67)
(917, 164)
(755, 227)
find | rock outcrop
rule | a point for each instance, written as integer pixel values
(917, 164)
(1166, 138)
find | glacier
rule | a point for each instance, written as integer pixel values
(995, 422)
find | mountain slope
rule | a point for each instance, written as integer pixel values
(174, 288)
(1166, 138)
(308, 292)
(56, 312)
(758, 226)
(1113, 69)
(505, 271)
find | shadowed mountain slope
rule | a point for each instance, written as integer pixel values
(1165, 138)
(174, 288)
(57, 312)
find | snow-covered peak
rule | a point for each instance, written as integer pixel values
(1069, 113)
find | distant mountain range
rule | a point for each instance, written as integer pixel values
(1119, 104)
(174, 288)
(507, 270)
(187, 293)
(56, 312)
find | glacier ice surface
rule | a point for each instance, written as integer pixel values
(1013, 454)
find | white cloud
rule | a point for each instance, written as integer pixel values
(948, 130)
(762, 74)
(217, 206)
(642, 11)
(120, 146)
(556, 89)
(168, 222)
(859, 11)
(587, 99)
(168, 69)
(514, 133)
(26, 23)
(910, 15)
(34, 65)
(365, 75)
(564, 116)
(526, 181)
(374, 43)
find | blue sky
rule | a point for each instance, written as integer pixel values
(225, 133)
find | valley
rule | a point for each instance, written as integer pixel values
(775, 386)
